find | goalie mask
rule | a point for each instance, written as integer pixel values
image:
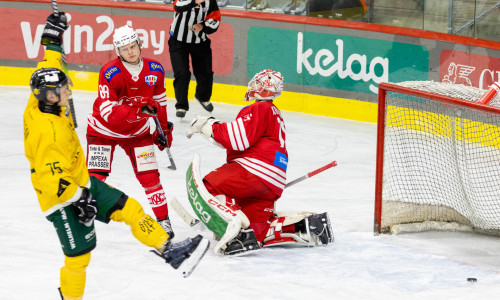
(265, 85)
(124, 36)
(47, 80)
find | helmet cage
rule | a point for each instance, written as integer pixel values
(47, 80)
(265, 85)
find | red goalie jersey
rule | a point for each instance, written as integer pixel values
(256, 140)
(112, 115)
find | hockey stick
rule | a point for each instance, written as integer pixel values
(310, 174)
(164, 138)
(55, 9)
(185, 216)
(192, 221)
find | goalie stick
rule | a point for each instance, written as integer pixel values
(193, 222)
(164, 138)
(310, 174)
(55, 9)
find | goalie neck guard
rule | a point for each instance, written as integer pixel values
(265, 85)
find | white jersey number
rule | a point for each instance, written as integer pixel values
(282, 132)
(104, 91)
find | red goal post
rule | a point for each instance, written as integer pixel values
(438, 159)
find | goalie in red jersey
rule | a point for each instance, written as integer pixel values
(131, 91)
(236, 201)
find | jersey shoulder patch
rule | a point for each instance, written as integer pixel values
(155, 66)
(110, 72)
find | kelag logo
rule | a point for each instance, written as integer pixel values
(333, 61)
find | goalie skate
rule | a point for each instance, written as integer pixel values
(244, 243)
(318, 226)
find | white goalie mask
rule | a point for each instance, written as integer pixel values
(265, 85)
(124, 36)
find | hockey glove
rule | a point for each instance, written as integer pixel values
(201, 124)
(87, 206)
(54, 29)
(147, 107)
(161, 143)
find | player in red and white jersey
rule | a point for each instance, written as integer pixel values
(131, 90)
(255, 172)
(236, 201)
(256, 141)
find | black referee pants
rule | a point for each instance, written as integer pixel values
(201, 59)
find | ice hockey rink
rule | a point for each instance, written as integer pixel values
(359, 265)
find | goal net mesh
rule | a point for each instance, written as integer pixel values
(441, 161)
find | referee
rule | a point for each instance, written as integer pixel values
(193, 21)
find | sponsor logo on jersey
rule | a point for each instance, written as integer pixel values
(280, 160)
(67, 228)
(110, 72)
(146, 155)
(151, 79)
(157, 198)
(90, 235)
(155, 67)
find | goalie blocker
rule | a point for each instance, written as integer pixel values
(231, 226)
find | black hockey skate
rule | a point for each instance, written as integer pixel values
(244, 242)
(185, 256)
(207, 105)
(319, 225)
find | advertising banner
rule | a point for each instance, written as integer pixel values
(333, 61)
(469, 69)
(89, 39)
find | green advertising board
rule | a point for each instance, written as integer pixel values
(333, 61)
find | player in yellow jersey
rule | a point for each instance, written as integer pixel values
(68, 197)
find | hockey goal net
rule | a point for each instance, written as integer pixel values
(438, 159)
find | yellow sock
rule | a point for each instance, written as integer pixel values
(144, 227)
(73, 276)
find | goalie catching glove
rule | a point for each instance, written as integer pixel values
(54, 29)
(203, 125)
(87, 206)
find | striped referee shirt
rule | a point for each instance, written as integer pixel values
(188, 13)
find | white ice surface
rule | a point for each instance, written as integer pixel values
(359, 265)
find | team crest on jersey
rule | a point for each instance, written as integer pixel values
(155, 66)
(110, 72)
(63, 184)
(151, 79)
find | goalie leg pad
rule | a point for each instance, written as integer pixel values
(282, 230)
(300, 229)
(224, 221)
